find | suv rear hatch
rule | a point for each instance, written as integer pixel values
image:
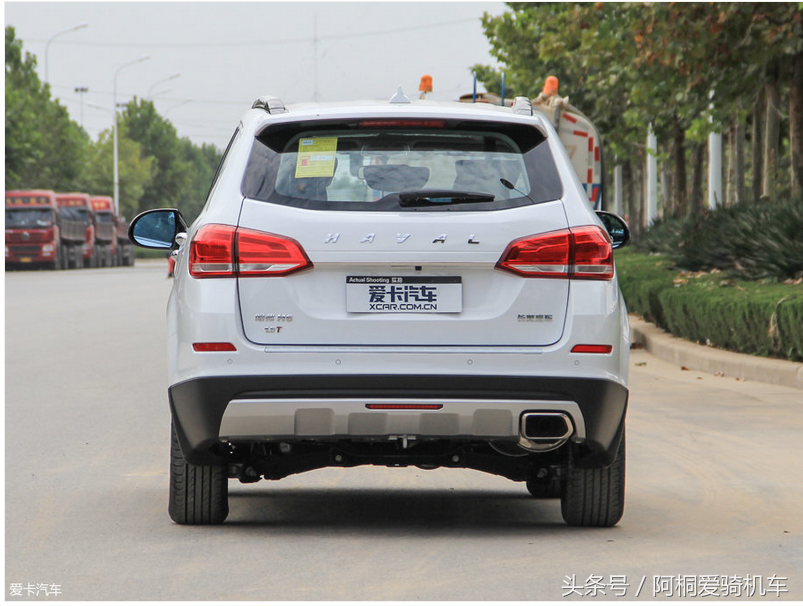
(401, 224)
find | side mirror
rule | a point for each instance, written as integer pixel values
(157, 228)
(617, 228)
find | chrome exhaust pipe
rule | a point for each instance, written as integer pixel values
(542, 431)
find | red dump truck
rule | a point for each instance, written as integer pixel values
(105, 231)
(39, 233)
(111, 234)
(81, 205)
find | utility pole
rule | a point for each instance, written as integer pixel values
(116, 177)
(81, 90)
(315, 59)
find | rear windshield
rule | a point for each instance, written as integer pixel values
(398, 165)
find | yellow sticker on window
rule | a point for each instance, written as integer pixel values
(316, 157)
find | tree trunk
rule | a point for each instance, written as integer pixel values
(772, 134)
(730, 173)
(758, 144)
(697, 203)
(740, 190)
(666, 190)
(796, 125)
(679, 169)
(633, 185)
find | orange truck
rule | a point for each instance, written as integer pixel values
(81, 205)
(39, 232)
(578, 134)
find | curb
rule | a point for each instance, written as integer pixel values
(667, 347)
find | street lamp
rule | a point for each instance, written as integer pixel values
(66, 31)
(173, 77)
(116, 173)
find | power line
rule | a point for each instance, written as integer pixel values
(272, 42)
(199, 100)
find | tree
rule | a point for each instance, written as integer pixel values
(136, 171)
(202, 163)
(43, 147)
(628, 65)
(158, 139)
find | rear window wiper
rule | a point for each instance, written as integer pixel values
(439, 197)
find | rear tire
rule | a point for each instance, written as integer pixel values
(595, 497)
(199, 494)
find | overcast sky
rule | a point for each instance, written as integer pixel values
(230, 53)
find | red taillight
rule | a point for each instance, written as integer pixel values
(580, 252)
(263, 254)
(545, 256)
(219, 251)
(213, 347)
(593, 254)
(212, 252)
(592, 349)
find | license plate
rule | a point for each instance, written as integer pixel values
(25, 259)
(404, 294)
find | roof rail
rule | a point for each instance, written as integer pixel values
(523, 106)
(271, 104)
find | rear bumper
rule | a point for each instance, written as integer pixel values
(209, 410)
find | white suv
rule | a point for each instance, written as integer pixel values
(400, 283)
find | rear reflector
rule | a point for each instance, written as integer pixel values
(578, 253)
(592, 349)
(225, 251)
(213, 347)
(404, 406)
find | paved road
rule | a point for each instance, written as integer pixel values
(713, 487)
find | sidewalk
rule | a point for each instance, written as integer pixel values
(709, 359)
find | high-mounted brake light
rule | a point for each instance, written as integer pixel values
(225, 251)
(402, 123)
(577, 253)
(404, 406)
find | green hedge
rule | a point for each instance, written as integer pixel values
(752, 240)
(756, 318)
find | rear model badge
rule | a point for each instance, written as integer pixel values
(273, 318)
(534, 317)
